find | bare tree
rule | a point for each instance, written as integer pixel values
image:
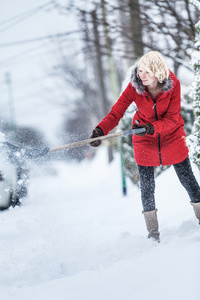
(169, 28)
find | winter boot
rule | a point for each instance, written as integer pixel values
(196, 207)
(152, 224)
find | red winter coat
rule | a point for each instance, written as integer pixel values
(168, 143)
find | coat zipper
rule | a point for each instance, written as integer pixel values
(159, 148)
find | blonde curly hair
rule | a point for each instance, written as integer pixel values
(155, 65)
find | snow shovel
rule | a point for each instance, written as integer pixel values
(100, 138)
(37, 152)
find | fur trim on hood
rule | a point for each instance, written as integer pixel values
(140, 88)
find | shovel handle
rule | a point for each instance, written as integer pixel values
(100, 138)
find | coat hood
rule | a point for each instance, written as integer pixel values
(140, 88)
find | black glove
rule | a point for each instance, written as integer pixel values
(149, 129)
(96, 133)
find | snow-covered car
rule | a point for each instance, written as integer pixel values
(13, 177)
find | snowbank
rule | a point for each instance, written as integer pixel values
(76, 237)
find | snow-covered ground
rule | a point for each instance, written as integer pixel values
(76, 238)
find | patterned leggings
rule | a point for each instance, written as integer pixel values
(185, 175)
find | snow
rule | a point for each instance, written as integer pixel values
(77, 237)
(2, 137)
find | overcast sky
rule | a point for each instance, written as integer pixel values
(28, 62)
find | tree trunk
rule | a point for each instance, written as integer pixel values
(99, 69)
(136, 28)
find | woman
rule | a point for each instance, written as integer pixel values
(156, 93)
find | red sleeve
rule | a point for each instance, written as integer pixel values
(117, 112)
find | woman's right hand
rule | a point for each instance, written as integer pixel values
(96, 133)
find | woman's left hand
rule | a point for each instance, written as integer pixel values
(148, 127)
